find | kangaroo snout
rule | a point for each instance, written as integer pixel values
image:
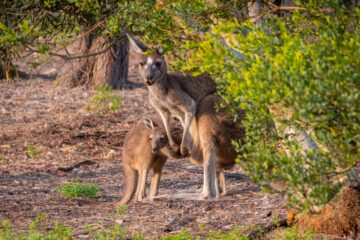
(155, 150)
(149, 80)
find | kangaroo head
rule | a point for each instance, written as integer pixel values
(158, 138)
(152, 66)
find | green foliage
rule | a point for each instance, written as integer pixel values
(104, 100)
(33, 150)
(2, 158)
(78, 189)
(235, 234)
(59, 232)
(184, 234)
(121, 209)
(304, 68)
(293, 233)
(111, 233)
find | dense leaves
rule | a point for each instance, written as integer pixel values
(306, 70)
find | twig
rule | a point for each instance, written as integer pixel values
(77, 165)
(74, 56)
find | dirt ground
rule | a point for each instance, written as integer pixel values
(36, 114)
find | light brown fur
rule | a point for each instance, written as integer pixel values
(210, 131)
(171, 94)
(211, 146)
(139, 156)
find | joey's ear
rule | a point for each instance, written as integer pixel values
(160, 51)
(137, 45)
(149, 124)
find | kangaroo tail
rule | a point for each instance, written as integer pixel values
(131, 179)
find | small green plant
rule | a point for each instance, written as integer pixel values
(235, 234)
(104, 100)
(293, 233)
(78, 189)
(59, 232)
(2, 158)
(121, 209)
(99, 232)
(201, 226)
(184, 234)
(33, 150)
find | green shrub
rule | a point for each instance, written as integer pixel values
(78, 189)
(306, 66)
(104, 100)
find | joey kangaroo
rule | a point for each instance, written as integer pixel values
(145, 146)
(167, 94)
(210, 131)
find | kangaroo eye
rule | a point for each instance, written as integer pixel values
(158, 64)
(163, 138)
(142, 63)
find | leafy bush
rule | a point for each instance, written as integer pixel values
(305, 69)
(104, 100)
(78, 189)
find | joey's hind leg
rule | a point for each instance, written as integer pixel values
(140, 193)
(158, 166)
(222, 185)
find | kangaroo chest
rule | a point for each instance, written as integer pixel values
(163, 102)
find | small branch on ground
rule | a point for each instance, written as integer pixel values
(77, 165)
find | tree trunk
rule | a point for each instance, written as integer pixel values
(110, 67)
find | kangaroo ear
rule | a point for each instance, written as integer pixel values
(160, 51)
(137, 45)
(149, 124)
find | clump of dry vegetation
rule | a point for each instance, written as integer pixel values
(340, 217)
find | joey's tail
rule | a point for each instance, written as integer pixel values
(131, 178)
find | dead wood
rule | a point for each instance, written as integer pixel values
(77, 165)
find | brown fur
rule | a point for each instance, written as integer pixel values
(138, 157)
(172, 94)
(207, 133)
(212, 133)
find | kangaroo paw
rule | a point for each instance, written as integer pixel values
(184, 151)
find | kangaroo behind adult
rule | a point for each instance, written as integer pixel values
(169, 94)
(211, 131)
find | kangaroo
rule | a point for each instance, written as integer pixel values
(167, 93)
(210, 131)
(145, 146)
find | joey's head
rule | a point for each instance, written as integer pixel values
(152, 65)
(158, 138)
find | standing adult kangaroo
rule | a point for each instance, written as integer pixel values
(211, 131)
(167, 93)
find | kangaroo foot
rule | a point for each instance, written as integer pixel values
(175, 148)
(194, 196)
(184, 151)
